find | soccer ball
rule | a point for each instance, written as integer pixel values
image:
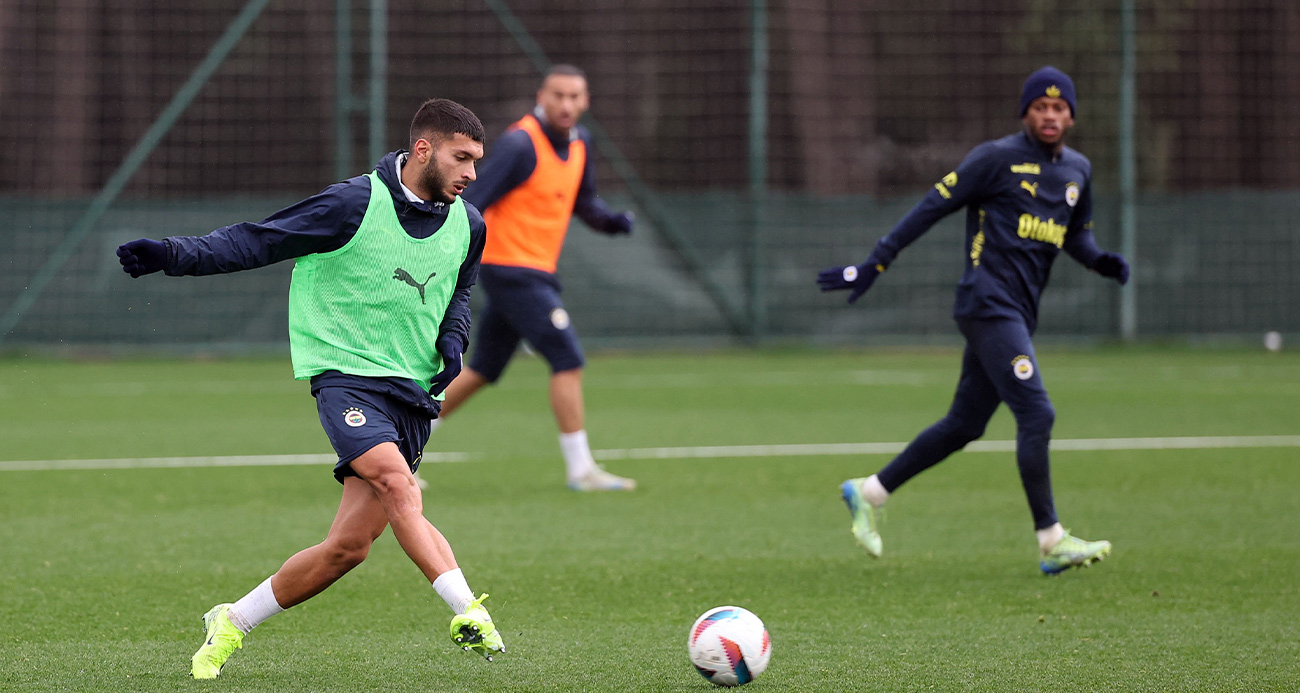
(729, 646)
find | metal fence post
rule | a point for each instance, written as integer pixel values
(757, 163)
(378, 79)
(1128, 166)
(343, 102)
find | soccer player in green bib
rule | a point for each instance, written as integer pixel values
(378, 321)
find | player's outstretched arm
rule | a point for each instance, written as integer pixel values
(321, 223)
(856, 278)
(143, 256)
(962, 186)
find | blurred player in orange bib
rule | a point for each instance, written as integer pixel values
(536, 179)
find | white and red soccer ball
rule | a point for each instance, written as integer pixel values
(729, 646)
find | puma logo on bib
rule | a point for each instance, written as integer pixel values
(402, 275)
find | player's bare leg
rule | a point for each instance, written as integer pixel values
(580, 467)
(385, 470)
(359, 521)
(566, 400)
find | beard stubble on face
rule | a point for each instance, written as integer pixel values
(432, 180)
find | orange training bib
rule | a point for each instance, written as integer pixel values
(526, 227)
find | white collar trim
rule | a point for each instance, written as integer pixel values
(410, 196)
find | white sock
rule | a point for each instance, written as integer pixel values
(434, 424)
(254, 607)
(453, 589)
(577, 454)
(1049, 537)
(874, 491)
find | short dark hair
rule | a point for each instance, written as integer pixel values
(441, 118)
(562, 69)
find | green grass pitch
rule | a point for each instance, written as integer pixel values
(106, 573)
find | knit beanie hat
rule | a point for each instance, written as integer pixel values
(1047, 81)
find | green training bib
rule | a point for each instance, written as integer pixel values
(374, 306)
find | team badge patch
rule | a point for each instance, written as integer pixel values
(353, 417)
(1072, 194)
(1023, 367)
(560, 319)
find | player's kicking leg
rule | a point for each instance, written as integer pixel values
(972, 406)
(223, 638)
(858, 495)
(359, 521)
(386, 471)
(1072, 552)
(474, 630)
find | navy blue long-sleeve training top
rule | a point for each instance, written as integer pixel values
(513, 160)
(325, 222)
(1025, 204)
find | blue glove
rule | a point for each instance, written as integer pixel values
(856, 277)
(449, 347)
(142, 256)
(619, 224)
(1112, 265)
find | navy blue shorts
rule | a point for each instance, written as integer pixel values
(522, 303)
(358, 420)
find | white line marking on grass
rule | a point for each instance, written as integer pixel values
(700, 452)
(187, 462)
(767, 379)
(139, 389)
(1071, 445)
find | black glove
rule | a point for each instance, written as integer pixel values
(449, 347)
(619, 224)
(856, 277)
(142, 256)
(1112, 265)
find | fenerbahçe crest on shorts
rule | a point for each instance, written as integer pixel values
(354, 417)
(1023, 367)
(560, 319)
(373, 307)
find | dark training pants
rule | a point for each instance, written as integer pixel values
(998, 366)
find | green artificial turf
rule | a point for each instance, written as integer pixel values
(107, 572)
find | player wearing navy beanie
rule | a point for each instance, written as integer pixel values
(1050, 82)
(1027, 197)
